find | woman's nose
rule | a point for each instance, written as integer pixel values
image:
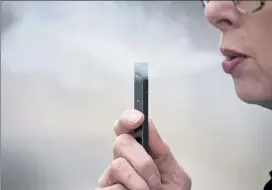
(223, 15)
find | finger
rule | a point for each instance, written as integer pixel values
(114, 187)
(121, 172)
(127, 147)
(159, 150)
(164, 159)
(128, 121)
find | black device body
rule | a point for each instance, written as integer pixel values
(141, 101)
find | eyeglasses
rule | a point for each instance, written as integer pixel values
(246, 6)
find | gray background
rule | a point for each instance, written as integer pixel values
(66, 75)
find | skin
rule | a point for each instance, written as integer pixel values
(132, 167)
(251, 35)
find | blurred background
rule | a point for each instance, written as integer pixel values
(67, 74)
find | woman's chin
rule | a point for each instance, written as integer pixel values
(256, 97)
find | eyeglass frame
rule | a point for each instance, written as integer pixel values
(235, 2)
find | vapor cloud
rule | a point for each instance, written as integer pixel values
(67, 73)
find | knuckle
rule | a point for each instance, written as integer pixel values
(146, 164)
(115, 169)
(118, 171)
(123, 169)
(105, 179)
(119, 165)
(120, 142)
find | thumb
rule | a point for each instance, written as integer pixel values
(160, 151)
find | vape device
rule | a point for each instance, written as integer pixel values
(141, 101)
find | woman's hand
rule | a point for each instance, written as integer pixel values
(133, 168)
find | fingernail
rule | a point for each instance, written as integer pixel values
(154, 182)
(133, 117)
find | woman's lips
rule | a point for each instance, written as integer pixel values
(229, 65)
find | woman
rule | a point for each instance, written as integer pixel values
(246, 44)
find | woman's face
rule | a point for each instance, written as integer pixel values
(246, 42)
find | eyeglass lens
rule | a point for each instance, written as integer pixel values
(243, 5)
